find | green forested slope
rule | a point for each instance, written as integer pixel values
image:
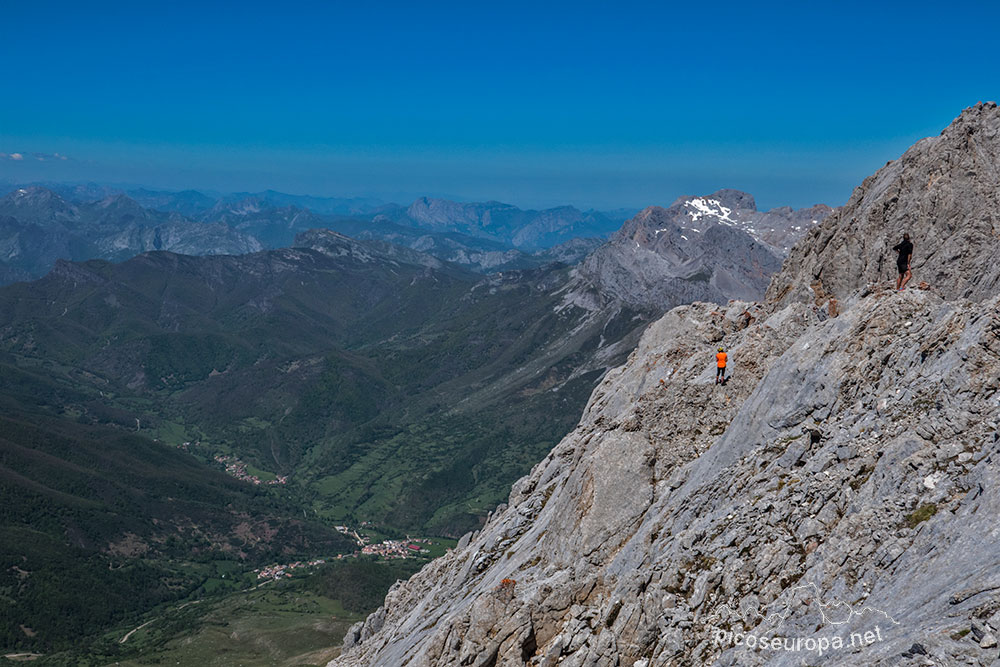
(97, 526)
(407, 394)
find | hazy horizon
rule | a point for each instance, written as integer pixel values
(404, 199)
(535, 106)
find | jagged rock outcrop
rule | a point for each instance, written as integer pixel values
(942, 191)
(842, 484)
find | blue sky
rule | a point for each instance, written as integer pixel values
(594, 104)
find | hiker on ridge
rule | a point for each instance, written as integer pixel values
(905, 250)
(720, 367)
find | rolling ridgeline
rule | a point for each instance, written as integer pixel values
(42, 223)
(387, 384)
(841, 488)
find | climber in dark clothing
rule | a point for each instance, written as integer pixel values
(905, 250)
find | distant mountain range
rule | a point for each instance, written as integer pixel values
(39, 225)
(191, 203)
(274, 218)
(526, 230)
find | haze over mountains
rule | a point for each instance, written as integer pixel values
(851, 455)
(38, 227)
(39, 224)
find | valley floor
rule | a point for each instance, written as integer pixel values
(270, 625)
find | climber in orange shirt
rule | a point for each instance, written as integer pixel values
(720, 364)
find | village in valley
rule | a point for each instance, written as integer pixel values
(235, 467)
(406, 548)
(238, 469)
(415, 547)
(279, 571)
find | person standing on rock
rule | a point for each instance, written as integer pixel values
(720, 366)
(905, 250)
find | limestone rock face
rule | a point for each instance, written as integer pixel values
(942, 191)
(842, 484)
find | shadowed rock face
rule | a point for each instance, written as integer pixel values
(842, 481)
(942, 191)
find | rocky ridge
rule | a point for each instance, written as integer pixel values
(477, 254)
(709, 248)
(332, 244)
(843, 482)
(942, 191)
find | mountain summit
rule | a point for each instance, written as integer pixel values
(779, 227)
(942, 191)
(711, 248)
(848, 462)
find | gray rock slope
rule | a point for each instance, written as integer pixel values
(835, 502)
(943, 191)
(709, 248)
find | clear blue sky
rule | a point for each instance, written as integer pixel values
(595, 104)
